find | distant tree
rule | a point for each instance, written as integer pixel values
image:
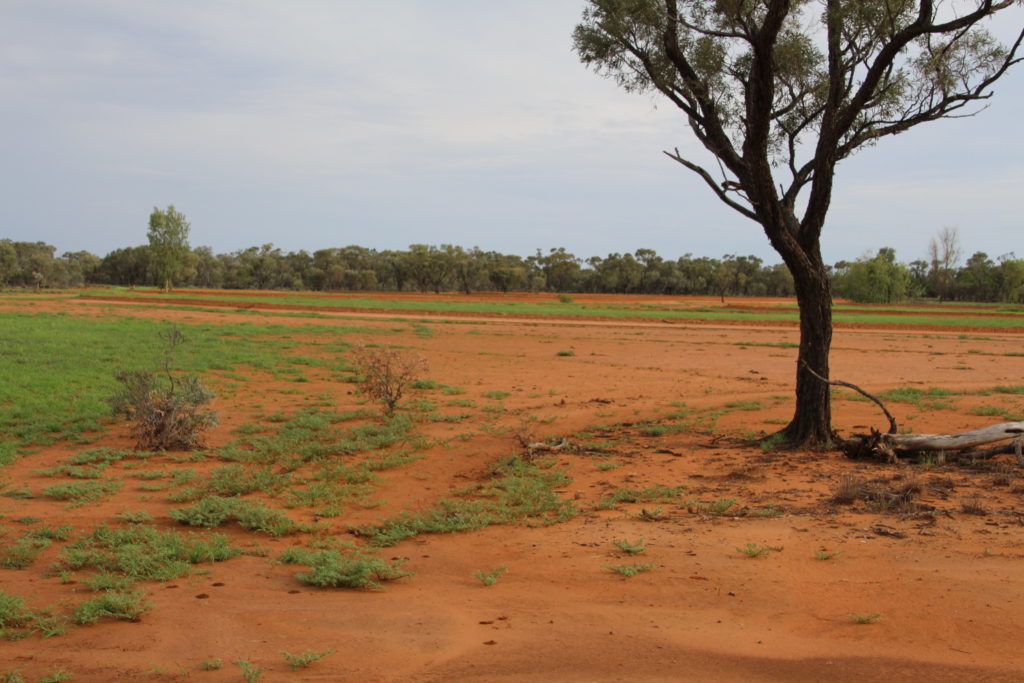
(35, 264)
(779, 92)
(128, 266)
(1011, 278)
(978, 280)
(80, 267)
(877, 279)
(209, 270)
(944, 254)
(8, 262)
(561, 269)
(168, 244)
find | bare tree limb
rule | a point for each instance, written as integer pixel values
(893, 428)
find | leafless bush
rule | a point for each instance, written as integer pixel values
(848, 490)
(166, 410)
(387, 373)
(973, 506)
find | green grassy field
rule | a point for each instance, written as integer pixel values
(62, 367)
(945, 315)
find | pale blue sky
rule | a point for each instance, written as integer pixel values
(320, 123)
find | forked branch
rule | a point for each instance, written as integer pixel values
(893, 428)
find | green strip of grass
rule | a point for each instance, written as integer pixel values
(60, 368)
(887, 316)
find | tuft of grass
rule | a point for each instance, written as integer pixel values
(22, 553)
(714, 508)
(112, 605)
(332, 569)
(490, 578)
(520, 491)
(17, 620)
(650, 494)
(83, 492)
(250, 672)
(211, 664)
(144, 553)
(848, 490)
(826, 555)
(864, 618)
(305, 659)
(631, 548)
(566, 353)
(134, 516)
(629, 570)
(753, 550)
(213, 511)
(496, 395)
(744, 405)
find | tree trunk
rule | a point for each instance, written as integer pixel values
(812, 420)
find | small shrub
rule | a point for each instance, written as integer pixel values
(166, 411)
(634, 548)
(848, 490)
(566, 353)
(864, 618)
(387, 373)
(753, 550)
(629, 570)
(113, 605)
(826, 555)
(305, 659)
(331, 569)
(490, 578)
(973, 506)
(250, 672)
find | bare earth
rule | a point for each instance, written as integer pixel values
(949, 585)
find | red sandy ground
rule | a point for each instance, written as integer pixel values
(950, 585)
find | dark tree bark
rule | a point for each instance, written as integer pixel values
(812, 420)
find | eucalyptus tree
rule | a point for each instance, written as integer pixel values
(779, 92)
(168, 244)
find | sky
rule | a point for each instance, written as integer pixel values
(323, 123)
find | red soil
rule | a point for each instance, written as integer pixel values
(949, 585)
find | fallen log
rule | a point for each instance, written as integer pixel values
(962, 446)
(954, 442)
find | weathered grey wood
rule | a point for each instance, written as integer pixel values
(953, 442)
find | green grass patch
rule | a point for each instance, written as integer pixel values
(144, 553)
(519, 491)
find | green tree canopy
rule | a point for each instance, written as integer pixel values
(168, 244)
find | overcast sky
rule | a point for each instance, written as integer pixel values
(312, 124)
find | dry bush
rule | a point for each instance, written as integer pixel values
(387, 373)
(848, 490)
(166, 411)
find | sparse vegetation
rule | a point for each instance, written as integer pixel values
(490, 578)
(166, 410)
(305, 659)
(827, 555)
(630, 547)
(753, 550)
(864, 618)
(387, 373)
(630, 570)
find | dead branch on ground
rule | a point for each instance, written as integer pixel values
(960, 448)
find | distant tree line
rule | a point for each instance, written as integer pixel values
(877, 277)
